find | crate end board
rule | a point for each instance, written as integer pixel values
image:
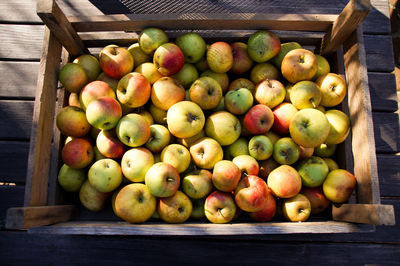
(365, 213)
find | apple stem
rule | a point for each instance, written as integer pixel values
(220, 213)
(313, 103)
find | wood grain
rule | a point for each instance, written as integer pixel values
(377, 214)
(15, 119)
(377, 21)
(13, 161)
(10, 196)
(387, 132)
(21, 79)
(382, 87)
(20, 11)
(389, 174)
(379, 52)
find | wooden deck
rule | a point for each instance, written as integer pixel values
(21, 35)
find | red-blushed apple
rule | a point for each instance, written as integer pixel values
(226, 176)
(139, 56)
(241, 59)
(71, 121)
(260, 147)
(113, 83)
(332, 165)
(116, 61)
(220, 207)
(315, 195)
(71, 179)
(251, 194)
(323, 67)
(263, 45)
(305, 152)
(91, 198)
(197, 184)
(283, 114)
(333, 89)
(238, 101)
(270, 92)
(105, 175)
(151, 38)
(266, 167)
(297, 208)
(168, 59)
(133, 90)
(267, 213)
(339, 126)
(78, 153)
(103, 113)
(187, 75)
(109, 145)
(159, 138)
(206, 152)
(136, 162)
(162, 179)
(176, 155)
(325, 150)
(284, 181)
(259, 119)
(219, 57)
(159, 115)
(187, 142)
(90, 64)
(239, 147)
(298, 65)
(93, 91)
(263, 71)
(224, 127)
(192, 45)
(247, 165)
(198, 209)
(166, 92)
(242, 83)
(73, 100)
(312, 171)
(286, 151)
(175, 209)
(185, 119)
(285, 48)
(338, 185)
(150, 71)
(133, 130)
(221, 78)
(206, 92)
(305, 94)
(73, 77)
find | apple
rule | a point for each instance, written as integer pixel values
(162, 179)
(78, 153)
(73, 100)
(176, 155)
(109, 145)
(325, 150)
(187, 142)
(166, 92)
(283, 114)
(241, 59)
(187, 75)
(198, 208)
(286, 151)
(90, 64)
(273, 137)
(146, 115)
(139, 56)
(323, 67)
(269, 92)
(221, 78)
(305, 94)
(197, 184)
(338, 185)
(113, 83)
(93, 91)
(133, 90)
(202, 65)
(239, 147)
(238, 101)
(297, 208)
(242, 83)
(105, 175)
(305, 152)
(263, 71)
(71, 179)
(266, 167)
(247, 165)
(168, 59)
(251, 194)
(133, 130)
(267, 213)
(151, 38)
(206, 92)
(220, 207)
(116, 61)
(285, 48)
(149, 70)
(333, 89)
(185, 119)
(175, 209)
(284, 181)
(298, 65)
(192, 45)
(206, 152)
(226, 176)
(309, 128)
(260, 147)
(312, 171)
(159, 115)
(224, 127)
(258, 119)
(73, 77)
(315, 195)
(332, 165)
(91, 198)
(159, 138)
(339, 126)
(103, 113)
(219, 57)
(71, 121)
(97, 154)
(136, 162)
(263, 45)
(288, 88)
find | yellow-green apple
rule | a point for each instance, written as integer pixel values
(116, 61)
(187, 142)
(263, 71)
(321, 108)
(91, 198)
(136, 162)
(273, 137)
(71, 179)
(286, 151)
(239, 147)
(247, 165)
(97, 154)
(315, 195)
(113, 83)
(238, 101)
(197, 184)
(323, 67)
(297, 208)
(258, 119)
(151, 38)
(73, 77)
(220, 106)
(109, 145)
(241, 59)
(260, 147)
(338, 185)
(242, 83)
(267, 213)
(78, 153)
(71, 121)
(285, 48)
(305, 94)
(206, 152)
(220, 207)
(175, 209)
(288, 88)
(103, 113)
(251, 194)
(263, 45)
(176, 155)
(133, 90)
(298, 65)
(284, 181)
(312, 171)
(219, 57)
(309, 128)
(90, 64)
(162, 179)
(168, 59)
(187, 75)
(206, 92)
(339, 126)
(333, 89)
(185, 119)
(133, 130)
(325, 150)
(332, 165)
(93, 91)
(202, 65)
(73, 100)
(159, 138)
(105, 175)
(146, 115)
(224, 127)
(139, 56)
(283, 114)
(226, 176)
(134, 203)
(305, 152)
(198, 209)
(166, 92)
(150, 71)
(159, 115)
(192, 45)
(266, 167)
(269, 92)
(221, 78)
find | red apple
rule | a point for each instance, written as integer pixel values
(71, 121)
(133, 90)
(247, 164)
(168, 59)
(267, 212)
(283, 114)
(109, 145)
(78, 153)
(315, 195)
(116, 61)
(241, 59)
(251, 194)
(259, 119)
(104, 113)
(220, 207)
(284, 181)
(93, 91)
(226, 175)
(263, 45)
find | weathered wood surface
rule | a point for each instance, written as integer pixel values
(15, 119)
(13, 161)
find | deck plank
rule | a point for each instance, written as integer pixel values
(13, 161)
(389, 175)
(382, 87)
(21, 79)
(19, 11)
(10, 196)
(387, 133)
(15, 119)
(378, 49)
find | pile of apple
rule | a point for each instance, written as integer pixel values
(183, 130)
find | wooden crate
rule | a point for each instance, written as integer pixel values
(338, 37)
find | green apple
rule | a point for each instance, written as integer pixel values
(260, 147)
(113, 83)
(71, 179)
(176, 155)
(73, 77)
(187, 75)
(185, 119)
(263, 45)
(159, 138)
(151, 38)
(198, 209)
(162, 179)
(297, 209)
(286, 151)
(133, 130)
(139, 57)
(197, 184)
(313, 171)
(136, 162)
(323, 67)
(71, 121)
(266, 167)
(305, 94)
(238, 101)
(206, 92)
(149, 70)
(192, 45)
(285, 48)
(105, 175)
(339, 126)
(242, 83)
(187, 142)
(239, 147)
(221, 78)
(325, 150)
(224, 127)
(159, 115)
(90, 64)
(333, 89)
(263, 71)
